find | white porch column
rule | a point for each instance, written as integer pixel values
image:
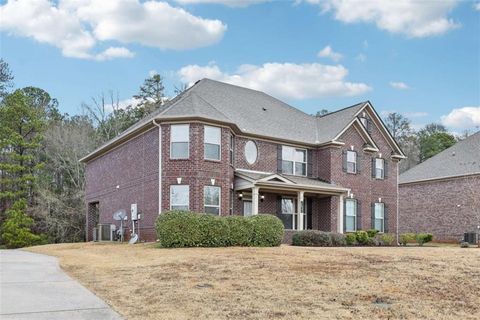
(300, 200)
(255, 201)
(340, 221)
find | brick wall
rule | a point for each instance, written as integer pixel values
(133, 167)
(446, 208)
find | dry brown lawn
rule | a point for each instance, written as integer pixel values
(144, 282)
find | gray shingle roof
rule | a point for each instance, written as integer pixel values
(295, 179)
(463, 158)
(253, 112)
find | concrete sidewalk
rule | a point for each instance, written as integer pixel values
(32, 286)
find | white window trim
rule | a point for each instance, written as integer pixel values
(383, 213)
(219, 199)
(219, 144)
(171, 204)
(231, 153)
(377, 168)
(295, 162)
(355, 163)
(355, 215)
(172, 142)
(294, 214)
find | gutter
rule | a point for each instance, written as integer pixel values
(159, 165)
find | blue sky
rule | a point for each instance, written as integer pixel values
(418, 58)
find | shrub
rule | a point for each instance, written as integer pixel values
(372, 232)
(15, 231)
(423, 238)
(351, 239)
(312, 238)
(406, 238)
(240, 230)
(338, 239)
(187, 229)
(373, 242)
(267, 230)
(386, 239)
(361, 237)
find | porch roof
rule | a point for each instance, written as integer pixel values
(245, 179)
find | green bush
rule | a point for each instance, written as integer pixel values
(267, 230)
(423, 238)
(187, 229)
(372, 232)
(241, 230)
(312, 238)
(362, 237)
(338, 240)
(386, 239)
(351, 239)
(406, 238)
(15, 231)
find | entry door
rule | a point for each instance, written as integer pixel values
(247, 208)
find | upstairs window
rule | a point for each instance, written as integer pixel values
(211, 200)
(379, 168)
(294, 161)
(179, 197)
(179, 141)
(212, 139)
(350, 215)
(351, 161)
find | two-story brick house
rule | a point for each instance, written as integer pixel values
(224, 149)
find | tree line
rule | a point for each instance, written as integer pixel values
(42, 182)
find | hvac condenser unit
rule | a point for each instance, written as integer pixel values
(105, 232)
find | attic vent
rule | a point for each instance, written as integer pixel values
(453, 153)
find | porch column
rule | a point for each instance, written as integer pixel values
(255, 201)
(340, 221)
(300, 200)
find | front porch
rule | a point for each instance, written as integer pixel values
(301, 203)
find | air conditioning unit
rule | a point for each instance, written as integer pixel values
(105, 232)
(470, 237)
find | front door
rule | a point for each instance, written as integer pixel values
(247, 208)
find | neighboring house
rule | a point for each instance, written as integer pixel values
(442, 194)
(224, 149)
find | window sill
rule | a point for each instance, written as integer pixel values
(176, 159)
(213, 160)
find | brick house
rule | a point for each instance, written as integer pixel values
(224, 149)
(441, 195)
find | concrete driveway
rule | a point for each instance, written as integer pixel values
(32, 286)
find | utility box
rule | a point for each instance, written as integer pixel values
(133, 210)
(470, 237)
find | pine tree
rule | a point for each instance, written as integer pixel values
(15, 231)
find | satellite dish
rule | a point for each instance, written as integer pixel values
(119, 215)
(133, 239)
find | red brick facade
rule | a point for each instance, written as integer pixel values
(133, 167)
(446, 208)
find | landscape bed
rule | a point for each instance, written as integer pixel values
(144, 282)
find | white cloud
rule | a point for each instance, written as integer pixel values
(476, 6)
(122, 104)
(418, 114)
(328, 52)
(413, 18)
(77, 26)
(466, 117)
(114, 52)
(285, 80)
(399, 85)
(229, 3)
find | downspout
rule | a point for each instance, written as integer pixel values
(397, 206)
(159, 166)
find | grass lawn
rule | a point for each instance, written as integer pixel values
(144, 282)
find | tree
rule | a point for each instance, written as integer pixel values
(21, 131)
(399, 126)
(433, 139)
(180, 88)
(151, 92)
(15, 231)
(6, 78)
(321, 113)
